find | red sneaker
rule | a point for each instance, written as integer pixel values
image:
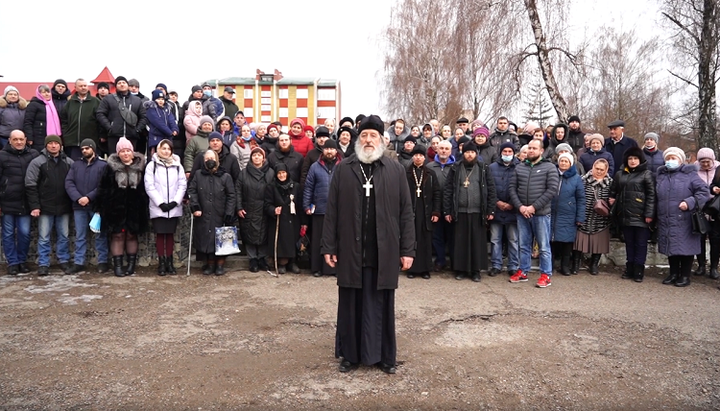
(543, 281)
(518, 277)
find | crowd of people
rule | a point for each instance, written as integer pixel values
(481, 201)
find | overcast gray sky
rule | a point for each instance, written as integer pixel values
(182, 44)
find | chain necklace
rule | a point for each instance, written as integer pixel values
(418, 183)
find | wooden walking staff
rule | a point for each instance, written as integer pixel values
(277, 229)
(192, 220)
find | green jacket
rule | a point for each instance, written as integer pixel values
(77, 120)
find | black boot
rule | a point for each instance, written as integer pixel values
(254, 265)
(629, 271)
(714, 273)
(639, 272)
(701, 270)
(262, 264)
(565, 264)
(576, 257)
(132, 259)
(683, 281)
(162, 271)
(117, 266)
(594, 262)
(170, 265)
(671, 278)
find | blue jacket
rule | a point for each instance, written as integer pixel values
(617, 150)
(162, 124)
(654, 160)
(502, 174)
(317, 185)
(568, 207)
(83, 180)
(589, 157)
(675, 236)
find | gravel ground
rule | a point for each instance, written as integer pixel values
(252, 341)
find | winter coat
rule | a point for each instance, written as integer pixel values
(487, 153)
(675, 236)
(634, 194)
(191, 120)
(502, 174)
(302, 144)
(292, 160)
(568, 207)
(311, 158)
(534, 185)
(590, 157)
(110, 119)
(229, 107)
(289, 224)
(269, 144)
(198, 145)
(60, 100)
(350, 150)
(45, 184)
(617, 150)
(454, 183)
(12, 116)
(228, 162)
(397, 141)
(250, 196)
(165, 183)
(83, 180)
(595, 190)
(35, 124)
(499, 137)
(122, 201)
(342, 226)
(13, 167)
(316, 186)
(654, 160)
(162, 123)
(576, 139)
(78, 120)
(554, 142)
(707, 175)
(405, 158)
(431, 193)
(242, 152)
(214, 195)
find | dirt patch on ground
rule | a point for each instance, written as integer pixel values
(251, 341)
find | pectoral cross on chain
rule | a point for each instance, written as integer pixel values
(466, 184)
(367, 186)
(418, 191)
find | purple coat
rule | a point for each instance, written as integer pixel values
(165, 184)
(675, 236)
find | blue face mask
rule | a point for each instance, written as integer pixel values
(207, 93)
(507, 159)
(672, 164)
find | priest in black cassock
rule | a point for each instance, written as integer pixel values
(469, 201)
(368, 235)
(426, 200)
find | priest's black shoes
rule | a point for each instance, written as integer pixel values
(387, 368)
(346, 366)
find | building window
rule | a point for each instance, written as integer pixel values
(265, 100)
(326, 112)
(283, 93)
(302, 112)
(266, 93)
(248, 93)
(302, 93)
(283, 112)
(265, 119)
(248, 112)
(265, 107)
(327, 94)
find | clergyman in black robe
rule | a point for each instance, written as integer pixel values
(368, 235)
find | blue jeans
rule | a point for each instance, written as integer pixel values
(45, 226)
(496, 241)
(538, 228)
(16, 248)
(82, 220)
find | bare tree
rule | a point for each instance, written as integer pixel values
(696, 41)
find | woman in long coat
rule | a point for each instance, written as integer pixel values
(680, 191)
(593, 237)
(41, 118)
(568, 212)
(212, 202)
(283, 206)
(165, 184)
(633, 190)
(123, 204)
(250, 195)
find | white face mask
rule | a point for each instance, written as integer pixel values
(672, 164)
(507, 159)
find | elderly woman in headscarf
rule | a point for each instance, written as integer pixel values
(212, 202)
(41, 118)
(593, 237)
(283, 206)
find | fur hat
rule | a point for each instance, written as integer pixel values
(353, 133)
(123, 144)
(568, 156)
(704, 153)
(346, 119)
(372, 122)
(634, 152)
(411, 139)
(53, 137)
(322, 131)
(676, 152)
(206, 119)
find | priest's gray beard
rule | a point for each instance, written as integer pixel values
(370, 157)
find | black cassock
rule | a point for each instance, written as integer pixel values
(366, 316)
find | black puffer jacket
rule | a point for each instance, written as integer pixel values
(214, 195)
(35, 124)
(13, 167)
(45, 184)
(634, 194)
(110, 119)
(250, 196)
(534, 185)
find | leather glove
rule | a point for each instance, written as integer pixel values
(165, 207)
(303, 230)
(172, 205)
(228, 220)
